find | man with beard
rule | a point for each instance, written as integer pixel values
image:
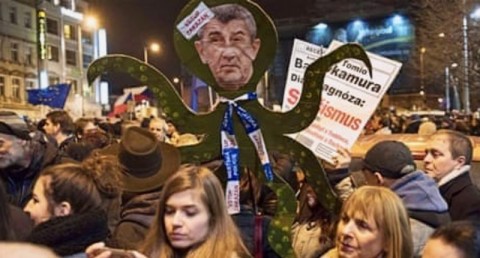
(22, 156)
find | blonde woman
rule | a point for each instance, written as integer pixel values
(191, 221)
(373, 224)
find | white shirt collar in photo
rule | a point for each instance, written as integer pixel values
(454, 174)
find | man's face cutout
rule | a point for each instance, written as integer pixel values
(229, 50)
(232, 50)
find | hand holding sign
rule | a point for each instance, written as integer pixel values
(350, 96)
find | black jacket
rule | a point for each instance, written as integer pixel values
(245, 221)
(462, 197)
(136, 217)
(19, 181)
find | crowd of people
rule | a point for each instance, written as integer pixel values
(102, 189)
(116, 188)
(391, 122)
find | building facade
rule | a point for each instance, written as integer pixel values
(45, 43)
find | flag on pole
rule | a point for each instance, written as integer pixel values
(121, 104)
(144, 95)
(54, 96)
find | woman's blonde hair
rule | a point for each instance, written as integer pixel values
(223, 239)
(389, 214)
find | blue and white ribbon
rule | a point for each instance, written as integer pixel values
(230, 151)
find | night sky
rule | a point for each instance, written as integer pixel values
(131, 24)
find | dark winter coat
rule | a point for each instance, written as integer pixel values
(462, 197)
(19, 181)
(136, 217)
(245, 221)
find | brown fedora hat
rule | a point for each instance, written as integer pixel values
(147, 163)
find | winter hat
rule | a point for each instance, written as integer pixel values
(12, 124)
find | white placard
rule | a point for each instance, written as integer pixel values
(303, 54)
(191, 24)
(349, 98)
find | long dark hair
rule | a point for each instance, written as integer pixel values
(87, 186)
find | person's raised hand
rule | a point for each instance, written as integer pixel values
(341, 159)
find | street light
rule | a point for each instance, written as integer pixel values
(422, 75)
(91, 22)
(178, 81)
(466, 87)
(154, 47)
(450, 78)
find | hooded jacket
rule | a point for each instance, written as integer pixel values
(425, 205)
(420, 194)
(422, 199)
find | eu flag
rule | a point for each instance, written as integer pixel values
(53, 96)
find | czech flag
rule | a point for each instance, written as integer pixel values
(121, 104)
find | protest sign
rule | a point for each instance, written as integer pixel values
(303, 54)
(349, 98)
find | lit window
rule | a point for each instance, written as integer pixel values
(16, 88)
(52, 53)
(69, 32)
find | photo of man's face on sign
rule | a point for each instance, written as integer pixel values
(228, 45)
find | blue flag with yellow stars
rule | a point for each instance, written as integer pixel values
(53, 96)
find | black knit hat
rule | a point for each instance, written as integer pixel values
(12, 124)
(391, 159)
